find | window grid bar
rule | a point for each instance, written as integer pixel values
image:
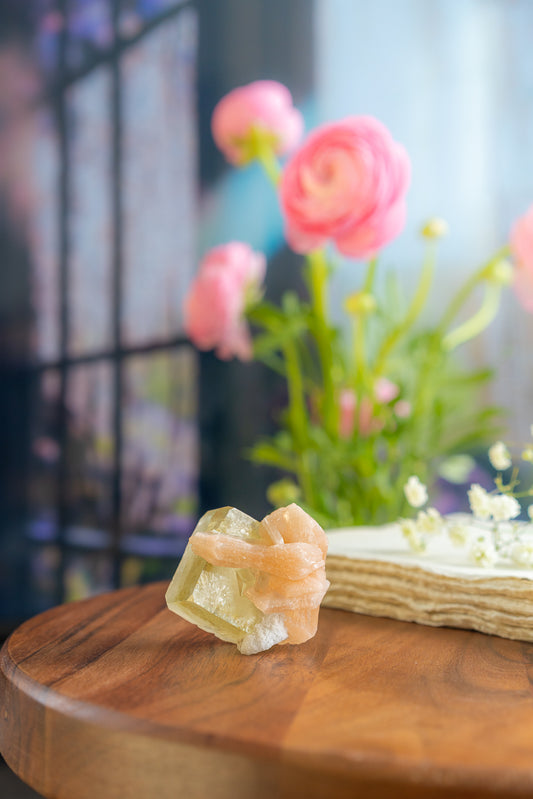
(120, 352)
(64, 254)
(117, 206)
(69, 76)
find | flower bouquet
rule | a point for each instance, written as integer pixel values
(369, 408)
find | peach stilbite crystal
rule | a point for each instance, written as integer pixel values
(254, 584)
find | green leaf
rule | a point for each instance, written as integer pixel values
(266, 315)
(292, 305)
(266, 453)
(275, 341)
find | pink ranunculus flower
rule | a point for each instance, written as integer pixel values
(264, 105)
(214, 307)
(522, 249)
(347, 182)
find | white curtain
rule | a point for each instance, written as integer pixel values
(453, 80)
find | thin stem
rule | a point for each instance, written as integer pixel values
(298, 420)
(318, 283)
(297, 409)
(464, 292)
(478, 322)
(417, 303)
(359, 350)
(361, 377)
(270, 164)
(370, 275)
(261, 148)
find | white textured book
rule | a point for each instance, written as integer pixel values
(373, 571)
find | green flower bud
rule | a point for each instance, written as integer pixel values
(360, 302)
(435, 228)
(500, 272)
(283, 492)
(527, 454)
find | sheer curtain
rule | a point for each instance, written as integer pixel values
(453, 80)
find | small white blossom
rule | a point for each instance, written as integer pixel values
(458, 534)
(413, 535)
(479, 501)
(504, 507)
(504, 536)
(522, 553)
(483, 553)
(429, 521)
(499, 456)
(415, 492)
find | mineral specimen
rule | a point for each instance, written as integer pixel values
(252, 583)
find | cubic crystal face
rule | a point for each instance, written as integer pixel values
(254, 584)
(212, 596)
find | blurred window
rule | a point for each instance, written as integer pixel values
(102, 209)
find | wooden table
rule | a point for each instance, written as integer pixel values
(116, 697)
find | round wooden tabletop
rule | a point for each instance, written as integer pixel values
(115, 696)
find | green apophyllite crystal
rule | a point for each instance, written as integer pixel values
(212, 596)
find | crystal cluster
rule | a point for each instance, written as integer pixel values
(252, 583)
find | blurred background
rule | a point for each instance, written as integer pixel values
(114, 434)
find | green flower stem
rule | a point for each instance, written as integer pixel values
(261, 147)
(416, 306)
(464, 292)
(270, 164)
(359, 329)
(298, 420)
(424, 396)
(477, 323)
(370, 276)
(425, 392)
(318, 283)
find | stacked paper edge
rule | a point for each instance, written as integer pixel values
(372, 571)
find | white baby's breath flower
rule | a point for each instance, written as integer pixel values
(522, 553)
(429, 521)
(458, 534)
(504, 507)
(499, 456)
(415, 492)
(483, 553)
(479, 501)
(413, 535)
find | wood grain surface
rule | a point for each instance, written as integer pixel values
(117, 697)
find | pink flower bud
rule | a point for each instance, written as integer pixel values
(352, 413)
(347, 406)
(215, 305)
(346, 183)
(402, 409)
(522, 250)
(385, 390)
(265, 106)
(368, 423)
